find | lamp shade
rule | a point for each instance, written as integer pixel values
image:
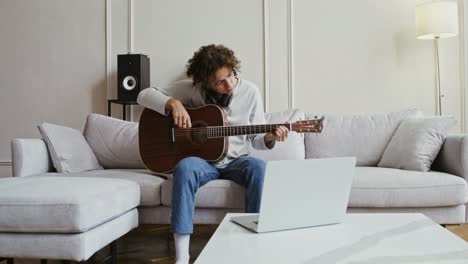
(437, 20)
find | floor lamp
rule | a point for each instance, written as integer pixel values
(437, 20)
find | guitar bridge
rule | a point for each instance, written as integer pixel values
(172, 131)
(172, 136)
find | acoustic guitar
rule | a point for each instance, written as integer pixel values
(163, 144)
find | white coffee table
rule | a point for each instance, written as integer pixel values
(362, 238)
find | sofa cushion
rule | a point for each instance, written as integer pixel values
(77, 247)
(215, 194)
(114, 141)
(416, 142)
(362, 136)
(46, 204)
(385, 187)
(150, 183)
(68, 149)
(292, 148)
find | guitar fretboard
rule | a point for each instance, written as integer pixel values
(226, 131)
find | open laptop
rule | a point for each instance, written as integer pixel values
(302, 193)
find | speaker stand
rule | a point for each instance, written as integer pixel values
(124, 107)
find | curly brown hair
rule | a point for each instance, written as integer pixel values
(207, 60)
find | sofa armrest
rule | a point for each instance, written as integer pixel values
(453, 156)
(30, 157)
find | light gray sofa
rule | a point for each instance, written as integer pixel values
(441, 193)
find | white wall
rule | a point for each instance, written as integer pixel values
(331, 56)
(52, 69)
(363, 56)
(334, 56)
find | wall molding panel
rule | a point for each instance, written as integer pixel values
(290, 55)
(108, 49)
(463, 62)
(266, 54)
(130, 26)
(131, 40)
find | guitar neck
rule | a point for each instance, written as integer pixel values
(227, 131)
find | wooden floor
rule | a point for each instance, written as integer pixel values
(459, 230)
(154, 244)
(145, 245)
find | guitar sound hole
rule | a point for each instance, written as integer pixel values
(198, 136)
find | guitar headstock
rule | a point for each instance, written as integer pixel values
(312, 125)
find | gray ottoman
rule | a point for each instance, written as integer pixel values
(67, 218)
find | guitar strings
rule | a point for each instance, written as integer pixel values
(219, 130)
(180, 130)
(185, 131)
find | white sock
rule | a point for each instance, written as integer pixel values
(182, 242)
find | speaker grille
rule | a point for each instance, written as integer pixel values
(132, 76)
(129, 83)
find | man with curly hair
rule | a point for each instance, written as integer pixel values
(213, 72)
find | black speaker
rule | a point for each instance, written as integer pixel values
(133, 75)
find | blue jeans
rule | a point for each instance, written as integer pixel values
(192, 173)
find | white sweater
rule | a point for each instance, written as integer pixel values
(245, 109)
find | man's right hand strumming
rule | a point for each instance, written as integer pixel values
(179, 114)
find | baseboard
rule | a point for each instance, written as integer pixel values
(6, 168)
(5, 162)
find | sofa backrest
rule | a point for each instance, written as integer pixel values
(362, 136)
(292, 148)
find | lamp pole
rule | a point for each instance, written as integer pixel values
(435, 20)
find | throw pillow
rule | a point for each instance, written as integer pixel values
(114, 141)
(363, 136)
(292, 148)
(68, 149)
(416, 143)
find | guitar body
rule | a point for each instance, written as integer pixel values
(163, 145)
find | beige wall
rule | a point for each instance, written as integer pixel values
(322, 56)
(5, 170)
(364, 57)
(52, 69)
